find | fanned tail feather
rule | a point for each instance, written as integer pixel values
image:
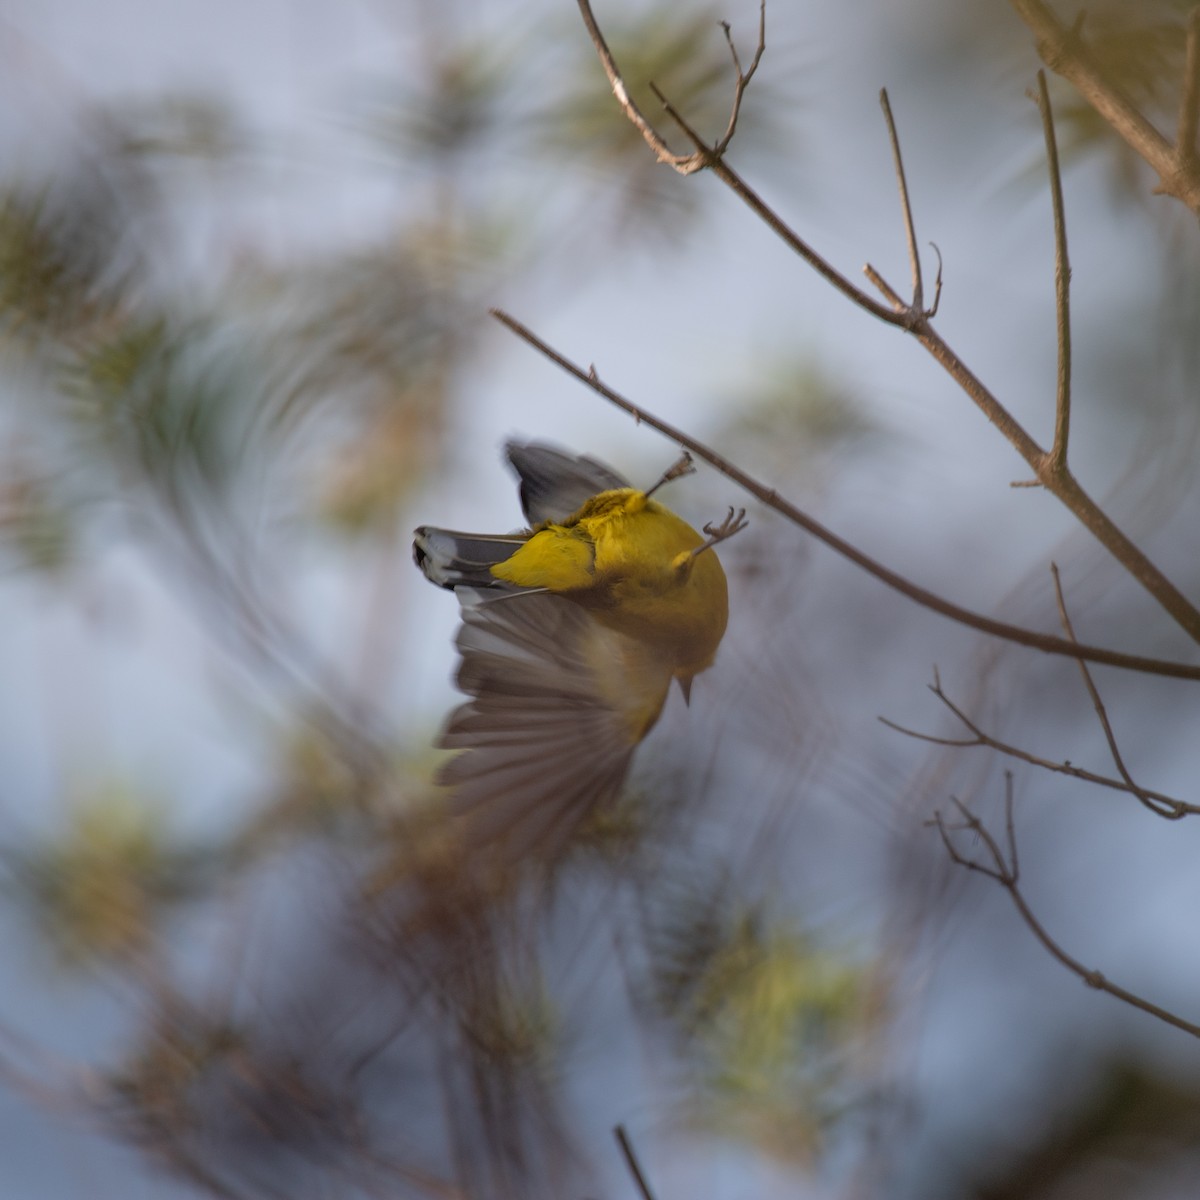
(452, 559)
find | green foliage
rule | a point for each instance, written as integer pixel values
(768, 1019)
(102, 888)
(451, 107)
(61, 266)
(36, 526)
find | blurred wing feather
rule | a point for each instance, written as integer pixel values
(545, 737)
(554, 484)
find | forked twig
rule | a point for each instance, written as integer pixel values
(979, 737)
(652, 137)
(1005, 870)
(743, 77)
(704, 155)
(1171, 810)
(1047, 643)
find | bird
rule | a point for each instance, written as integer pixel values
(572, 632)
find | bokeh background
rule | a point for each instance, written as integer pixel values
(247, 253)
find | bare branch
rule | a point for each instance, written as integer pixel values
(979, 737)
(959, 859)
(1189, 104)
(1171, 810)
(1047, 643)
(910, 233)
(663, 152)
(937, 284)
(632, 1163)
(1062, 287)
(886, 288)
(1063, 51)
(743, 77)
(704, 155)
(728, 176)
(932, 739)
(1005, 871)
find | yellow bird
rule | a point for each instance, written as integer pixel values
(571, 634)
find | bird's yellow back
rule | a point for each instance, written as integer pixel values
(634, 565)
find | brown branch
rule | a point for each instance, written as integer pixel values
(743, 77)
(704, 155)
(632, 1163)
(1006, 872)
(685, 164)
(1053, 477)
(1063, 51)
(1172, 810)
(979, 737)
(910, 232)
(1189, 103)
(1047, 643)
(1062, 288)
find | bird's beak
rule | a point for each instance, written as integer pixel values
(685, 686)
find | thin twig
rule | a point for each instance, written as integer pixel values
(886, 288)
(652, 137)
(1062, 287)
(1006, 872)
(743, 77)
(1172, 811)
(981, 738)
(1189, 104)
(937, 284)
(1047, 643)
(631, 1161)
(704, 155)
(910, 233)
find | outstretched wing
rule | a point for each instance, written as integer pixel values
(554, 484)
(558, 705)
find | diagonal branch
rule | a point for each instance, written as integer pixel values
(1171, 810)
(1047, 643)
(1062, 288)
(910, 232)
(1064, 52)
(704, 155)
(1168, 806)
(631, 1161)
(685, 164)
(1189, 102)
(1005, 870)
(743, 77)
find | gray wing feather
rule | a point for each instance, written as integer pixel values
(554, 484)
(540, 747)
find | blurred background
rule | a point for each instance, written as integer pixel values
(247, 253)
